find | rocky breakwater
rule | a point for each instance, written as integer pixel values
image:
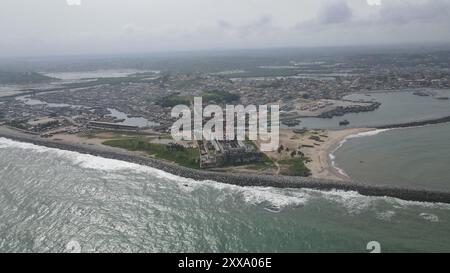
(342, 110)
(416, 123)
(409, 194)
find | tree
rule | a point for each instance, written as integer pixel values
(280, 149)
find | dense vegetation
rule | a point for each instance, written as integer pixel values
(17, 124)
(295, 167)
(174, 100)
(15, 77)
(219, 97)
(187, 157)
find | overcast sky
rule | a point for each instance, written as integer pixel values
(56, 27)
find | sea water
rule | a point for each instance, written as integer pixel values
(51, 198)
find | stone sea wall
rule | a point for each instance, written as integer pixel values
(240, 179)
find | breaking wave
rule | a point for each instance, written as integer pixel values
(271, 199)
(430, 217)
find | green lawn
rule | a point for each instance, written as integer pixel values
(187, 157)
(259, 166)
(296, 167)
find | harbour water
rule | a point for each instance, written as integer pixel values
(410, 157)
(131, 121)
(96, 74)
(396, 107)
(50, 197)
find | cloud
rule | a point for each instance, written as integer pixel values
(387, 13)
(134, 26)
(262, 24)
(404, 12)
(330, 13)
(393, 21)
(129, 29)
(224, 25)
(374, 2)
(334, 12)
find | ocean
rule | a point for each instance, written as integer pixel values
(410, 157)
(51, 198)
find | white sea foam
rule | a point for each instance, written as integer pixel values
(352, 201)
(368, 133)
(332, 155)
(334, 165)
(355, 203)
(430, 217)
(277, 198)
(273, 198)
(93, 162)
(385, 215)
(8, 143)
(86, 160)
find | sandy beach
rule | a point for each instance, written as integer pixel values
(316, 145)
(258, 180)
(321, 165)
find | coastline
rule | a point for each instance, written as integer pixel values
(327, 168)
(259, 180)
(355, 133)
(415, 123)
(322, 165)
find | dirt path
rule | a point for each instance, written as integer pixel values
(278, 168)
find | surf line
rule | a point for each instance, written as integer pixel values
(341, 143)
(245, 180)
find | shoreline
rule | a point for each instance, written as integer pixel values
(322, 165)
(331, 171)
(355, 133)
(258, 180)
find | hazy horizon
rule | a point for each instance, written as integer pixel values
(74, 27)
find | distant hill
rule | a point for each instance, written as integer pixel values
(15, 77)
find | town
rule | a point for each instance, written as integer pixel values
(140, 104)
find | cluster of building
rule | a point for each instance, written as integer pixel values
(314, 106)
(315, 86)
(217, 153)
